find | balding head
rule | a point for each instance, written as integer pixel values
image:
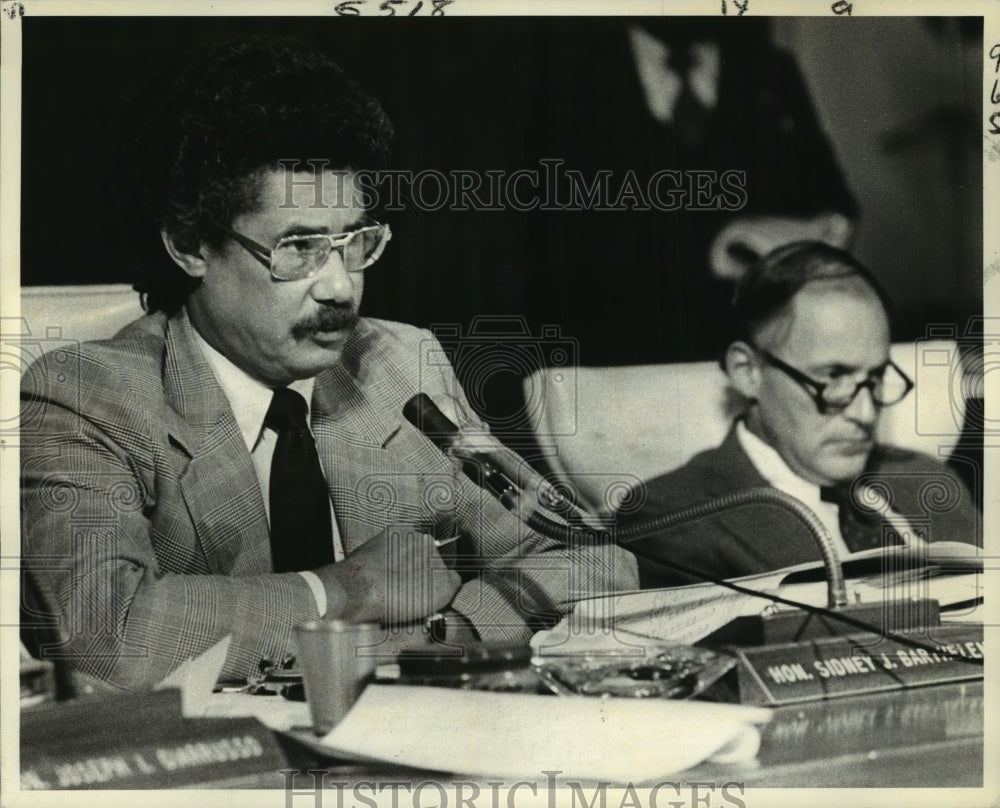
(765, 293)
(811, 312)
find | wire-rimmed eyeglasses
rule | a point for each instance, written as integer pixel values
(298, 257)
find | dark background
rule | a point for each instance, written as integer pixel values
(502, 93)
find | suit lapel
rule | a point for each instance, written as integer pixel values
(362, 439)
(360, 454)
(750, 527)
(733, 470)
(219, 484)
(377, 466)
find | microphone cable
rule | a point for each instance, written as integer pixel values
(750, 496)
(426, 416)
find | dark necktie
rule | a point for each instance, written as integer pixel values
(301, 535)
(860, 529)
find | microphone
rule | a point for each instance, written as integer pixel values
(494, 467)
(426, 416)
(497, 468)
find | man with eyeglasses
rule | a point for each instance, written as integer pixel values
(810, 363)
(236, 462)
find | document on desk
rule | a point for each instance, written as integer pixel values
(519, 735)
(617, 623)
(195, 678)
(682, 615)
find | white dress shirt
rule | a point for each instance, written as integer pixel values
(775, 470)
(249, 400)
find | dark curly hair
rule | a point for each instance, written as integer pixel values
(209, 128)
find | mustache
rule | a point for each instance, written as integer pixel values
(329, 318)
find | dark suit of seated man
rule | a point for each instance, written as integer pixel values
(236, 462)
(811, 362)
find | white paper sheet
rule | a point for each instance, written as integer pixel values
(685, 615)
(521, 735)
(682, 615)
(196, 678)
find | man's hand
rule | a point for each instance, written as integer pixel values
(395, 577)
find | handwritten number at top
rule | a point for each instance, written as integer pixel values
(390, 8)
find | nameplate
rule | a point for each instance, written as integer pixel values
(844, 666)
(139, 741)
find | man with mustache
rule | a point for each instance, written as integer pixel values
(810, 362)
(236, 462)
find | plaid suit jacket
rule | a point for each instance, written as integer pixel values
(144, 526)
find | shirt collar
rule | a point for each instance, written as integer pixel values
(772, 466)
(775, 470)
(249, 399)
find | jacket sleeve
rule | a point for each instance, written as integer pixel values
(527, 580)
(95, 541)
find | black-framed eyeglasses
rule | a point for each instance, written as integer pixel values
(887, 384)
(298, 257)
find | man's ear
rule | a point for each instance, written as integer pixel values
(192, 263)
(743, 369)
